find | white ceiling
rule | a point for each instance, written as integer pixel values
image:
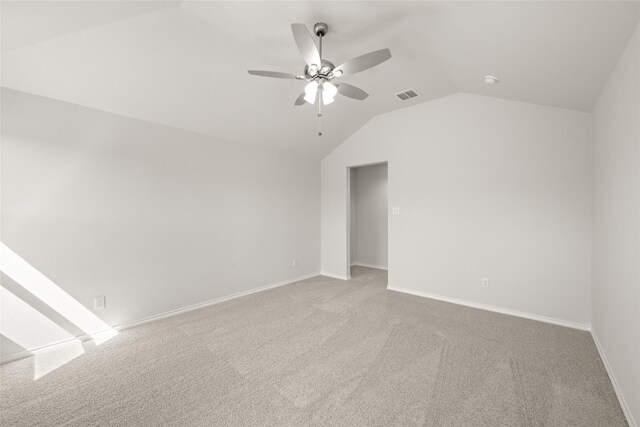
(184, 64)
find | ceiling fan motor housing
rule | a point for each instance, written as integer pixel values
(324, 72)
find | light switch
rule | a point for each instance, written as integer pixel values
(396, 211)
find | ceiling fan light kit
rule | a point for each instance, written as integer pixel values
(320, 72)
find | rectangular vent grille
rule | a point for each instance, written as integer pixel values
(407, 94)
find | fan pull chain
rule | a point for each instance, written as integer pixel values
(320, 110)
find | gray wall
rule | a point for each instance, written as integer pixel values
(152, 217)
(487, 188)
(369, 215)
(616, 226)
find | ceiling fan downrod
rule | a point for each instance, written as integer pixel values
(320, 29)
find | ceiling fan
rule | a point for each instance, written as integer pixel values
(319, 72)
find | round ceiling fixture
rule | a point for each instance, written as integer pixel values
(490, 80)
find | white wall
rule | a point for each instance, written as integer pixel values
(616, 226)
(486, 188)
(369, 215)
(152, 217)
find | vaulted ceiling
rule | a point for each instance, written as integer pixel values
(183, 64)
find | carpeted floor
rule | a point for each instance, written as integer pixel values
(324, 352)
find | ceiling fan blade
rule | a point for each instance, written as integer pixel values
(363, 62)
(276, 74)
(300, 100)
(306, 45)
(351, 91)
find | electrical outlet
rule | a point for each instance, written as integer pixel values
(295, 262)
(99, 302)
(396, 211)
(485, 283)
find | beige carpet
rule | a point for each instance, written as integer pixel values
(324, 352)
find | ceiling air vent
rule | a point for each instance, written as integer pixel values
(407, 94)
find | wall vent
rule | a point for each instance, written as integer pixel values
(408, 94)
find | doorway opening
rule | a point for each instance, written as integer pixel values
(368, 218)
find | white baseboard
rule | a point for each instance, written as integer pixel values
(15, 356)
(568, 324)
(211, 302)
(623, 403)
(362, 264)
(335, 276)
(26, 353)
